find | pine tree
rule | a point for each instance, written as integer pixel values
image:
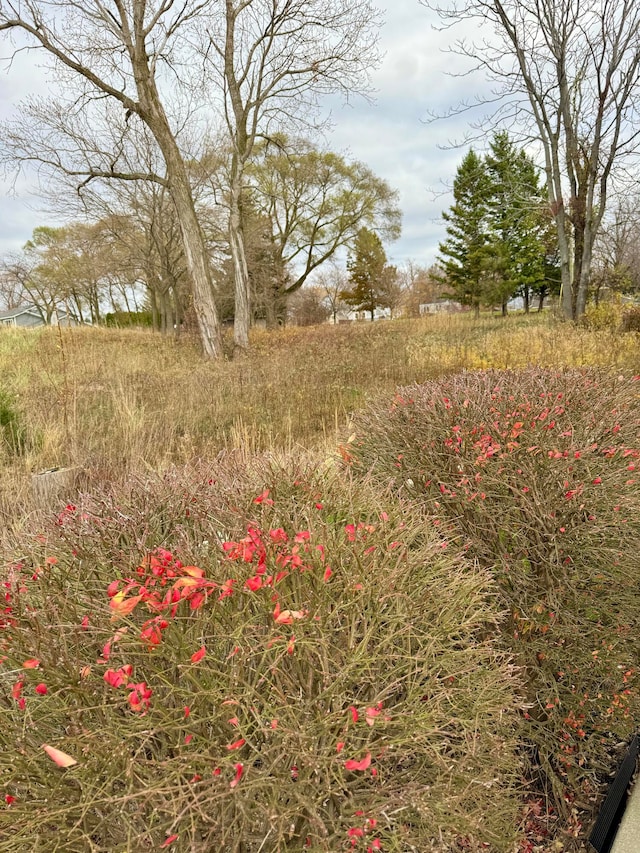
(369, 274)
(464, 254)
(496, 242)
(514, 221)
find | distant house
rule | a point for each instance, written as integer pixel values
(350, 315)
(27, 317)
(441, 306)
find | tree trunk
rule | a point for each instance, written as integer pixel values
(564, 251)
(197, 263)
(154, 310)
(541, 299)
(585, 272)
(177, 313)
(195, 250)
(526, 296)
(242, 314)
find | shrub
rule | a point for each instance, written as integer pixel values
(12, 429)
(535, 474)
(605, 315)
(128, 319)
(631, 320)
(260, 659)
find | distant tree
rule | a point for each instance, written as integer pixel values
(331, 281)
(569, 73)
(317, 201)
(515, 262)
(464, 253)
(267, 272)
(616, 264)
(420, 286)
(372, 279)
(11, 290)
(273, 60)
(307, 307)
(138, 57)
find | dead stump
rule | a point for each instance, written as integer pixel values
(54, 485)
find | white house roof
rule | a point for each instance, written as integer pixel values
(16, 312)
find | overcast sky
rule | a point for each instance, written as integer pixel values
(390, 135)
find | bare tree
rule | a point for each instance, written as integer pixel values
(119, 51)
(275, 59)
(12, 294)
(617, 250)
(569, 72)
(332, 281)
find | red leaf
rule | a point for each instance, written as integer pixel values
(363, 764)
(169, 841)
(197, 656)
(122, 607)
(41, 689)
(238, 776)
(32, 663)
(236, 744)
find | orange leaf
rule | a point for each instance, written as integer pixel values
(59, 757)
(286, 617)
(186, 582)
(32, 663)
(193, 571)
(122, 607)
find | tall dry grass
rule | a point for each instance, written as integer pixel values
(111, 401)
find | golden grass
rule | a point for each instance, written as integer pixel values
(113, 400)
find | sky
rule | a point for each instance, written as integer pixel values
(392, 135)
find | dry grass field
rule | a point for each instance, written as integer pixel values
(274, 610)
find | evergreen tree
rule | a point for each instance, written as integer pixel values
(370, 276)
(496, 244)
(464, 254)
(515, 222)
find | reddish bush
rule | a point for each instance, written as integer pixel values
(535, 474)
(202, 663)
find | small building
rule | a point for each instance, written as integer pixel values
(350, 315)
(28, 317)
(441, 306)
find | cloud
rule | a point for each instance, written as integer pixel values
(392, 135)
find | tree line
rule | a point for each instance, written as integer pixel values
(179, 102)
(135, 82)
(301, 205)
